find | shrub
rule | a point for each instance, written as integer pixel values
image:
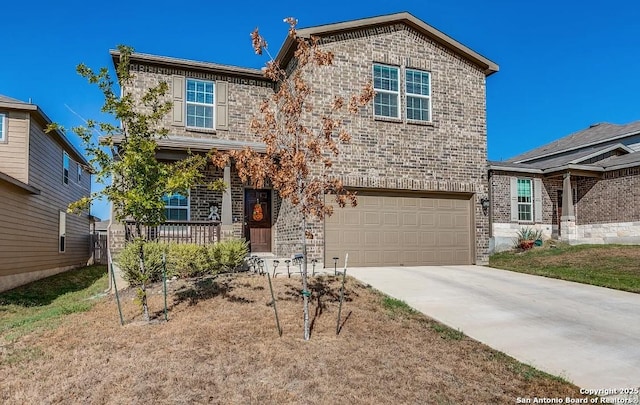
(526, 238)
(130, 263)
(187, 260)
(227, 255)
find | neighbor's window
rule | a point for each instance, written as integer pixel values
(65, 168)
(62, 231)
(200, 103)
(386, 83)
(525, 200)
(79, 172)
(176, 207)
(3, 127)
(418, 85)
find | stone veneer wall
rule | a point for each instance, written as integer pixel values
(448, 154)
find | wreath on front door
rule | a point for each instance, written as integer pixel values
(258, 214)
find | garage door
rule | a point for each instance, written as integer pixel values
(401, 231)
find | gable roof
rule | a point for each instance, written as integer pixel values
(592, 136)
(14, 104)
(286, 51)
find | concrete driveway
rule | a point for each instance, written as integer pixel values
(588, 335)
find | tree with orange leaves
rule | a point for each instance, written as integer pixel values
(300, 142)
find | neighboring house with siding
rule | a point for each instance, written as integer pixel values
(417, 157)
(40, 174)
(583, 188)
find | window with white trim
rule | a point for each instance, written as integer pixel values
(386, 83)
(3, 127)
(525, 200)
(62, 232)
(79, 172)
(176, 207)
(200, 104)
(418, 87)
(65, 168)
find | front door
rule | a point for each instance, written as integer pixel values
(257, 214)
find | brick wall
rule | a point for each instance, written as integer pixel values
(614, 198)
(448, 154)
(244, 97)
(501, 196)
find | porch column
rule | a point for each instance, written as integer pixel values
(568, 231)
(227, 215)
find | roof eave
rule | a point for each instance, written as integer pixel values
(24, 186)
(191, 64)
(613, 138)
(286, 51)
(515, 169)
(47, 121)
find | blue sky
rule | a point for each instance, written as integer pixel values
(563, 64)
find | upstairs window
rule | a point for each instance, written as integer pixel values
(3, 127)
(386, 83)
(418, 85)
(65, 168)
(200, 104)
(79, 172)
(176, 207)
(525, 200)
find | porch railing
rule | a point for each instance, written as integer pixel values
(199, 232)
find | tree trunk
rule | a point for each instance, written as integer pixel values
(305, 291)
(143, 287)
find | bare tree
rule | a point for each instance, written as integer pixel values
(301, 138)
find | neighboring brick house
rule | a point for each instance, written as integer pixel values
(583, 188)
(417, 157)
(40, 174)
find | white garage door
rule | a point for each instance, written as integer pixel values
(401, 231)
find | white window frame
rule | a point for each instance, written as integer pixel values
(62, 232)
(525, 203)
(3, 127)
(387, 91)
(79, 172)
(420, 96)
(211, 105)
(187, 208)
(65, 167)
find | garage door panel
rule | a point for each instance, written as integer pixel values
(410, 219)
(410, 239)
(391, 219)
(396, 230)
(372, 238)
(391, 238)
(372, 218)
(427, 220)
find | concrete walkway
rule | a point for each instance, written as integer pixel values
(585, 334)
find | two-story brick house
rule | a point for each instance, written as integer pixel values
(417, 157)
(40, 174)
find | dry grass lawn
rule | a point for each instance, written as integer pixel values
(221, 346)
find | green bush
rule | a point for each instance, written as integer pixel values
(130, 264)
(526, 238)
(227, 255)
(187, 260)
